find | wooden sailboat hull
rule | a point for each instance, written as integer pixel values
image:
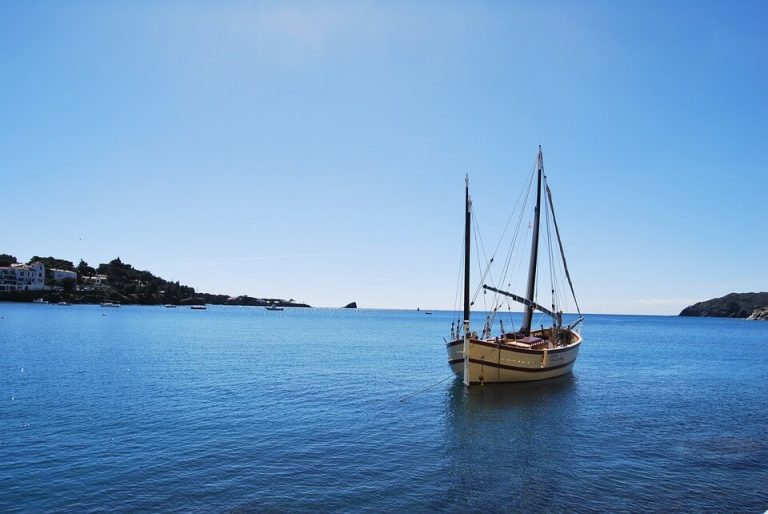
(491, 361)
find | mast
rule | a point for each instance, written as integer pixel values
(467, 221)
(528, 315)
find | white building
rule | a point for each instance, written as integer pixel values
(22, 277)
(62, 274)
(95, 282)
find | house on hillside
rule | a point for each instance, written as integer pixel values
(59, 275)
(22, 277)
(94, 283)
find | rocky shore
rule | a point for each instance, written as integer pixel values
(759, 314)
(734, 305)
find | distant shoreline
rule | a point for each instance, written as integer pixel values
(99, 298)
(59, 280)
(331, 307)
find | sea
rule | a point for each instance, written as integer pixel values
(240, 409)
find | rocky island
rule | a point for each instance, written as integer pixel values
(734, 305)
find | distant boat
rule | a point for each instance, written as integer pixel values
(428, 313)
(524, 354)
(39, 300)
(198, 307)
(170, 306)
(110, 304)
(65, 304)
(273, 308)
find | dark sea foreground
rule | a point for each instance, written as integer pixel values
(241, 409)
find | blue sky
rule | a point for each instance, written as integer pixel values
(316, 150)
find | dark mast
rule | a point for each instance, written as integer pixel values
(466, 255)
(528, 315)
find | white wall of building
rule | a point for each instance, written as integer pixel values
(94, 283)
(22, 277)
(60, 274)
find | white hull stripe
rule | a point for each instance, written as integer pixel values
(506, 366)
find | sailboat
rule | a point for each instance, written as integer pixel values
(525, 354)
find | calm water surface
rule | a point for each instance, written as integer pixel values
(241, 409)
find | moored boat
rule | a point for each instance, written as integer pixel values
(524, 354)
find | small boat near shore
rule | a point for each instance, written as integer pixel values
(525, 353)
(109, 304)
(199, 308)
(170, 306)
(273, 308)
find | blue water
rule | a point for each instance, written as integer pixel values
(236, 408)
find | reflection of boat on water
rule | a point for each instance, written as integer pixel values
(529, 399)
(525, 420)
(525, 354)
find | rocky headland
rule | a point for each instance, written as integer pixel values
(759, 314)
(734, 305)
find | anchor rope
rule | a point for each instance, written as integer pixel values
(409, 396)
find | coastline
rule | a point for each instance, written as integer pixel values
(96, 298)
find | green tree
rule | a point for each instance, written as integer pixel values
(85, 270)
(52, 262)
(6, 260)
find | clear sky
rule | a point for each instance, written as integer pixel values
(317, 150)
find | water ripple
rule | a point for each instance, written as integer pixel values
(149, 409)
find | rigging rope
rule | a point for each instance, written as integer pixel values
(551, 260)
(562, 252)
(458, 281)
(479, 267)
(482, 358)
(558, 299)
(512, 264)
(408, 397)
(525, 196)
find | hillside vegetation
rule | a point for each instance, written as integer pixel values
(127, 285)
